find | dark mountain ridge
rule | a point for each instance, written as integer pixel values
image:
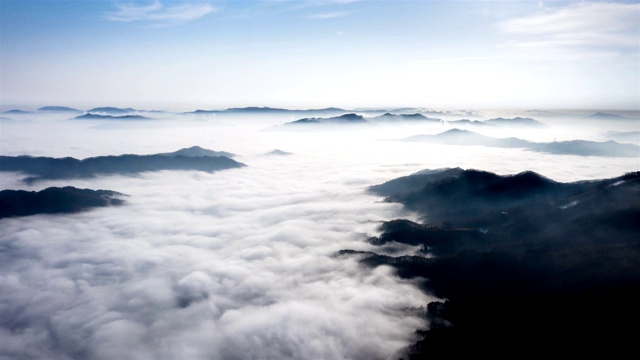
(54, 200)
(516, 121)
(521, 261)
(41, 168)
(91, 116)
(196, 151)
(59, 109)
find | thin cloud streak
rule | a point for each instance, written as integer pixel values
(160, 15)
(580, 26)
(332, 15)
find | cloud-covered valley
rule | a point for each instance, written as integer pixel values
(235, 264)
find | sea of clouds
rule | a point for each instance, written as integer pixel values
(236, 264)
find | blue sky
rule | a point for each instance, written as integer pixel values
(299, 54)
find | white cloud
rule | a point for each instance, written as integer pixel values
(158, 14)
(579, 26)
(331, 15)
(236, 264)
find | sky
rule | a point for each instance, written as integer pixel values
(179, 55)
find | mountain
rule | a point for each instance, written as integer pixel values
(268, 111)
(54, 200)
(112, 110)
(588, 148)
(278, 152)
(571, 147)
(516, 122)
(389, 117)
(42, 168)
(256, 109)
(203, 112)
(520, 261)
(91, 116)
(349, 118)
(607, 116)
(352, 118)
(471, 123)
(468, 138)
(423, 111)
(457, 193)
(59, 109)
(415, 181)
(196, 151)
(17, 112)
(624, 136)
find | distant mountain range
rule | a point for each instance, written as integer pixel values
(355, 119)
(267, 110)
(624, 136)
(59, 109)
(112, 110)
(92, 116)
(196, 151)
(516, 122)
(520, 261)
(42, 168)
(610, 116)
(572, 147)
(390, 118)
(54, 200)
(16, 112)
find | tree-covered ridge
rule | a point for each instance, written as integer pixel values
(520, 261)
(54, 200)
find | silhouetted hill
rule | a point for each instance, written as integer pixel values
(389, 117)
(90, 116)
(267, 111)
(516, 122)
(54, 200)
(41, 168)
(196, 151)
(587, 148)
(112, 110)
(17, 112)
(471, 123)
(59, 109)
(524, 262)
(355, 119)
(414, 182)
(278, 152)
(571, 147)
(349, 118)
(607, 116)
(456, 193)
(624, 136)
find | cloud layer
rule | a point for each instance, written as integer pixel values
(230, 265)
(591, 25)
(158, 14)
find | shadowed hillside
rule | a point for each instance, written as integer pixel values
(520, 261)
(54, 200)
(41, 168)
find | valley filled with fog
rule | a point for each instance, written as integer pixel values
(243, 262)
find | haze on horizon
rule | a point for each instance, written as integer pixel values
(183, 55)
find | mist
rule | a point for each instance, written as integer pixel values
(239, 263)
